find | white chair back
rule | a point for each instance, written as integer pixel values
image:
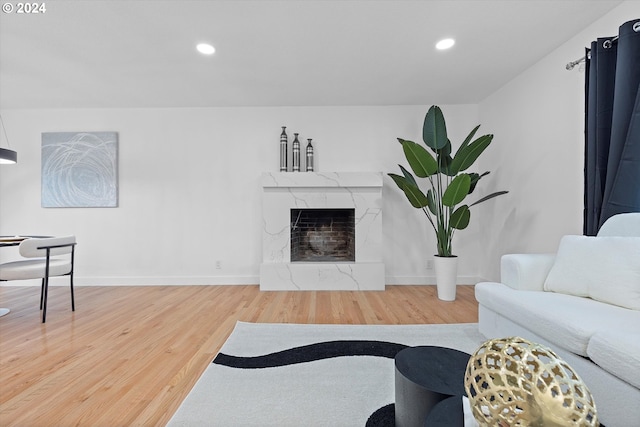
(29, 247)
(625, 225)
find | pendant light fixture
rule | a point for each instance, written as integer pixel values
(7, 156)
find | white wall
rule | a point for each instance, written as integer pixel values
(190, 193)
(538, 152)
(189, 188)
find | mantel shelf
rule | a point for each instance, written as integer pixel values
(321, 179)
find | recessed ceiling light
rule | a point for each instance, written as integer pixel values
(445, 44)
(205, 49)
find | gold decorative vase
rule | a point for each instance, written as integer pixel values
(514, 382)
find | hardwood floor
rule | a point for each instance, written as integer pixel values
(129, 355)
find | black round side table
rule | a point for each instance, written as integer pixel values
(424, 377)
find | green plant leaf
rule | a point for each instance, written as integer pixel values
(422, 163)
(434, 129)
(469, 137)
(445, 165)
(460, 218)
(465, 143)
(466, 156)
(457, 190)
(474, 180)
(431, 202)
(414, 195)
(408, 176)
(490, 196)
(444, 151)
(399, 180)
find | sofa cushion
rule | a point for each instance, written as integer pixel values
(564, 320)
(526, 272)
(618, 354)
(604, 268)
(624, 224)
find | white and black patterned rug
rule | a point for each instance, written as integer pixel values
(309, 375)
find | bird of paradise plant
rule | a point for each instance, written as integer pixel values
(448, 184)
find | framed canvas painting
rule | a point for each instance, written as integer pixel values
(79, 169)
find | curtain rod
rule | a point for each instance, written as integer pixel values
(606, 44)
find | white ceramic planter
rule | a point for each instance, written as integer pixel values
(446, 276)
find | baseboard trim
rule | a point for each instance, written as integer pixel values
(210, 280)
(426, 280)
(167, 281)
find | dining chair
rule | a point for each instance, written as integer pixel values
(48, 257)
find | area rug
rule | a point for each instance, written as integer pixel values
(309, 375)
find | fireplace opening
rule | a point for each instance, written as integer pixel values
(319, 235)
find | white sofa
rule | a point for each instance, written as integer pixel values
(584, 303)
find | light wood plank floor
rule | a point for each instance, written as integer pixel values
(129, 355)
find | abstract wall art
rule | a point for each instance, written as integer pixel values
(79, 169)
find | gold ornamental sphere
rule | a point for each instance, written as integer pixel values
(514, 382)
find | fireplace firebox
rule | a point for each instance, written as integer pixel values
(323, 235)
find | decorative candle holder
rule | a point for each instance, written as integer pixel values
(283, 149)
(296, 153)
(309, 156)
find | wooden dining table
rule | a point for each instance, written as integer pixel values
(16, 240)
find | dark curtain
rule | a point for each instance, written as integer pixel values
(612, 127)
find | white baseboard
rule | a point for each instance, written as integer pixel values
(166, 281)
(141, 281)
(426, 280)
(210, 280)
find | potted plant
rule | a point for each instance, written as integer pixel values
(448, 185)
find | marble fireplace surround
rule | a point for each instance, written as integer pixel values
(283, 191)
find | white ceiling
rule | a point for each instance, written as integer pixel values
(83, 54)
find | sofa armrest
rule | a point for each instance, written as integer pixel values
(525, 271)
